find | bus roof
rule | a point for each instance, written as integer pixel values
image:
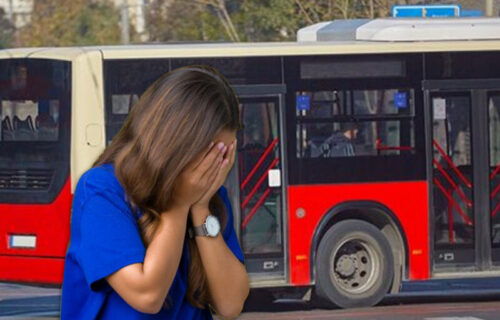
(407, 29)
(245, 49)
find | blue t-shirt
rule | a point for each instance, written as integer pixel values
(105, 238)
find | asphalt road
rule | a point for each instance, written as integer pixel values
(473, 299)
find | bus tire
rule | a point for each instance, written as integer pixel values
(354, 265)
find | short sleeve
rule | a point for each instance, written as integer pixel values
(229, 234)
(110, 238)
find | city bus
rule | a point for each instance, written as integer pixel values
(367, 157)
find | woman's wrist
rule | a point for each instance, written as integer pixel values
(199, 214)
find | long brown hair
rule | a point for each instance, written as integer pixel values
(174, 120)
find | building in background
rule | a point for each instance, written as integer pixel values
(136, 15)
(17, 11)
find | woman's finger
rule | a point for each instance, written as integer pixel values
(233, 153)
(221, 174)
(213, 179)
(207, 162)
(213, 166)
(229, 159)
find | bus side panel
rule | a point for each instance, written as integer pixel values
(50, 224)
(407, 200)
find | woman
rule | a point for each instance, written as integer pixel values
(138, 249)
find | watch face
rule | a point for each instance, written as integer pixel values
(213, 226)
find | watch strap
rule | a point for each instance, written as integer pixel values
(200, 230)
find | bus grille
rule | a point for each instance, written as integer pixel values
(25, 179)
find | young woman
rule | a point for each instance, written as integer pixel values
(152, 232)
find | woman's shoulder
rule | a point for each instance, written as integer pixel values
(98, 180)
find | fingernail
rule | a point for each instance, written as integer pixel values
(224, 149)
(220, 145)
(211, 144)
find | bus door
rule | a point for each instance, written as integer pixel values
(256, 183)
(464, 162)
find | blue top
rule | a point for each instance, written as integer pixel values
(105, 238)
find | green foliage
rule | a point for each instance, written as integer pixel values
(268, 20)
(182, 21)
(250, 20)
(71, 22)
(97, 22)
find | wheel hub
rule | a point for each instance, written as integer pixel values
(346, 265)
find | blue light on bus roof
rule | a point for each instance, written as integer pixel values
(426, 11)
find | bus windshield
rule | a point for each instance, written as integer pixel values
(34, 122)
(31, 93)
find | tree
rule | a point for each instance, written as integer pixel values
(71, 22)
(254, 20)
(6, 30)
(177, 20)
(268, 20)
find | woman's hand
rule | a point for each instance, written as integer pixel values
(217, 179)
(198, 176)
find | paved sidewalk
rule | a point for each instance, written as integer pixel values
(17, 291)
(28, 302)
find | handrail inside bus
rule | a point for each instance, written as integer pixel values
(495, 191)
(255, 208)
(380, 147)
(495, 211)
(259, 182)
(453, 202)
(452, 182)
(494, 173)
(451, 227)
(451, 164)
(259, 162)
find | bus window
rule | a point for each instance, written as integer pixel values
(494, 141)
(261, 219)
(380, 102)
(322, 104)
(367, 138)
(124, 82)
(35, 129)
(29, 120)
(453, 170)
(122, 103)
(341, 123)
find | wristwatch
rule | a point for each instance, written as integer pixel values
(210, 228)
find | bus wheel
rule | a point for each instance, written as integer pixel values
(354, 265)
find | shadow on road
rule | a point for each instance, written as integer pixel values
(435, 291)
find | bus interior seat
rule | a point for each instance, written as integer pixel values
(46, 127)
(23, 129)
(7, 131)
